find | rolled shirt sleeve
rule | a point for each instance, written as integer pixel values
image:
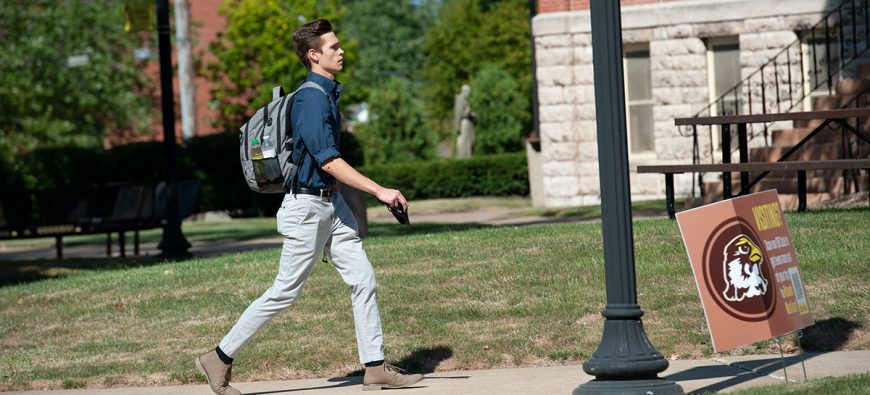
(313, 120)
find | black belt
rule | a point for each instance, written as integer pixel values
(324, 193)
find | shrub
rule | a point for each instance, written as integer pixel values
(395, 131)
(500, 111)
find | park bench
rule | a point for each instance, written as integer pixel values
(799, 167)
(783, 164)
(91, 209)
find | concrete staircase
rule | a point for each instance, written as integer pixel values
(828, 144)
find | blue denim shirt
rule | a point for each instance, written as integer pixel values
(317, 130)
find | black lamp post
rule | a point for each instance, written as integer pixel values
(536, 125)
(625, 361)
(173, 244)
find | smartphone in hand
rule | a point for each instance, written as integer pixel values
(400, 214)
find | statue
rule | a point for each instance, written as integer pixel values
(463, 123)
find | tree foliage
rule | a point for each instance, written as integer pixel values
(390, 36)
(468, 35)
(46, 101)
(255, 52)
(395, 131)
(499, 112)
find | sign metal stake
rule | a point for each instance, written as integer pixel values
(801, 353)
(778, 340)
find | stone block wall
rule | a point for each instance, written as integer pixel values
(676, 34)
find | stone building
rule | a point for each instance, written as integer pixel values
(679, 56)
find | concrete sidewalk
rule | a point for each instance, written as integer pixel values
(698, 376)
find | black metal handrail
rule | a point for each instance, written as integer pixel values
(754, 95)
(752, 91)
(847, 145)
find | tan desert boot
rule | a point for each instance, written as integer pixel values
(217, 373)
(388, 376)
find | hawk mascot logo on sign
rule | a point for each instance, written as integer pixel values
(742, 269)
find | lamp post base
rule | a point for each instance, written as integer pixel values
(625, 361)
(173, 245)
(629, 387)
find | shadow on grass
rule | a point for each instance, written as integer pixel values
(645, 208)
(378, 229)
(19, 272)
(829, 334)
(220, 232)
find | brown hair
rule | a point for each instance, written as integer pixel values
(307, 37)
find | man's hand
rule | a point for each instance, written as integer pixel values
(392, 198)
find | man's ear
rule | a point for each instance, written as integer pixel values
(312, 56)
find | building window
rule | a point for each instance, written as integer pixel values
(723, 74)
(723, 56)
(638, 77)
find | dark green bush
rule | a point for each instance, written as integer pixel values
(500, 112)
(396, 131)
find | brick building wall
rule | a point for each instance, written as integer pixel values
(205, 25)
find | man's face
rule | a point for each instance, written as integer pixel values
(331, 56)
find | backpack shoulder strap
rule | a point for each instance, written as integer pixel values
(309, 84)
(277, 92)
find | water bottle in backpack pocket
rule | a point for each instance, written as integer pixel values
(259, 165)
(271, 166)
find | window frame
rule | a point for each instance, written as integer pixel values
(627, 52)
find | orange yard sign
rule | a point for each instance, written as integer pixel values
(746, 269)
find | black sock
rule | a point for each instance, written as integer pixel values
(374, 363)
(224, 357)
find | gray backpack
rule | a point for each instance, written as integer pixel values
(266, 144)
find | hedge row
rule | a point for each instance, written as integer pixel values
(491, 175)
(214, 160)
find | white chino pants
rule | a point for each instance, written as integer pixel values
(310, 225)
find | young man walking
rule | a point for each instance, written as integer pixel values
(314, 217)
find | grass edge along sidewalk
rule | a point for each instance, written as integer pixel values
(852, 384)
(453, 299)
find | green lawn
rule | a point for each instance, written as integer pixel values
(846, 385)
(452, 297)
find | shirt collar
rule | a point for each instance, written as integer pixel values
(331, 86)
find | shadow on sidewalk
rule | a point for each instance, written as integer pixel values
(826, 335)
(342, 382)
(423, 360)
(420, 361)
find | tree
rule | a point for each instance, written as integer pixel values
(67, 76)
(500, 112)
(256, 53)
(390, 35)
(395, 131)
(469, 35)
